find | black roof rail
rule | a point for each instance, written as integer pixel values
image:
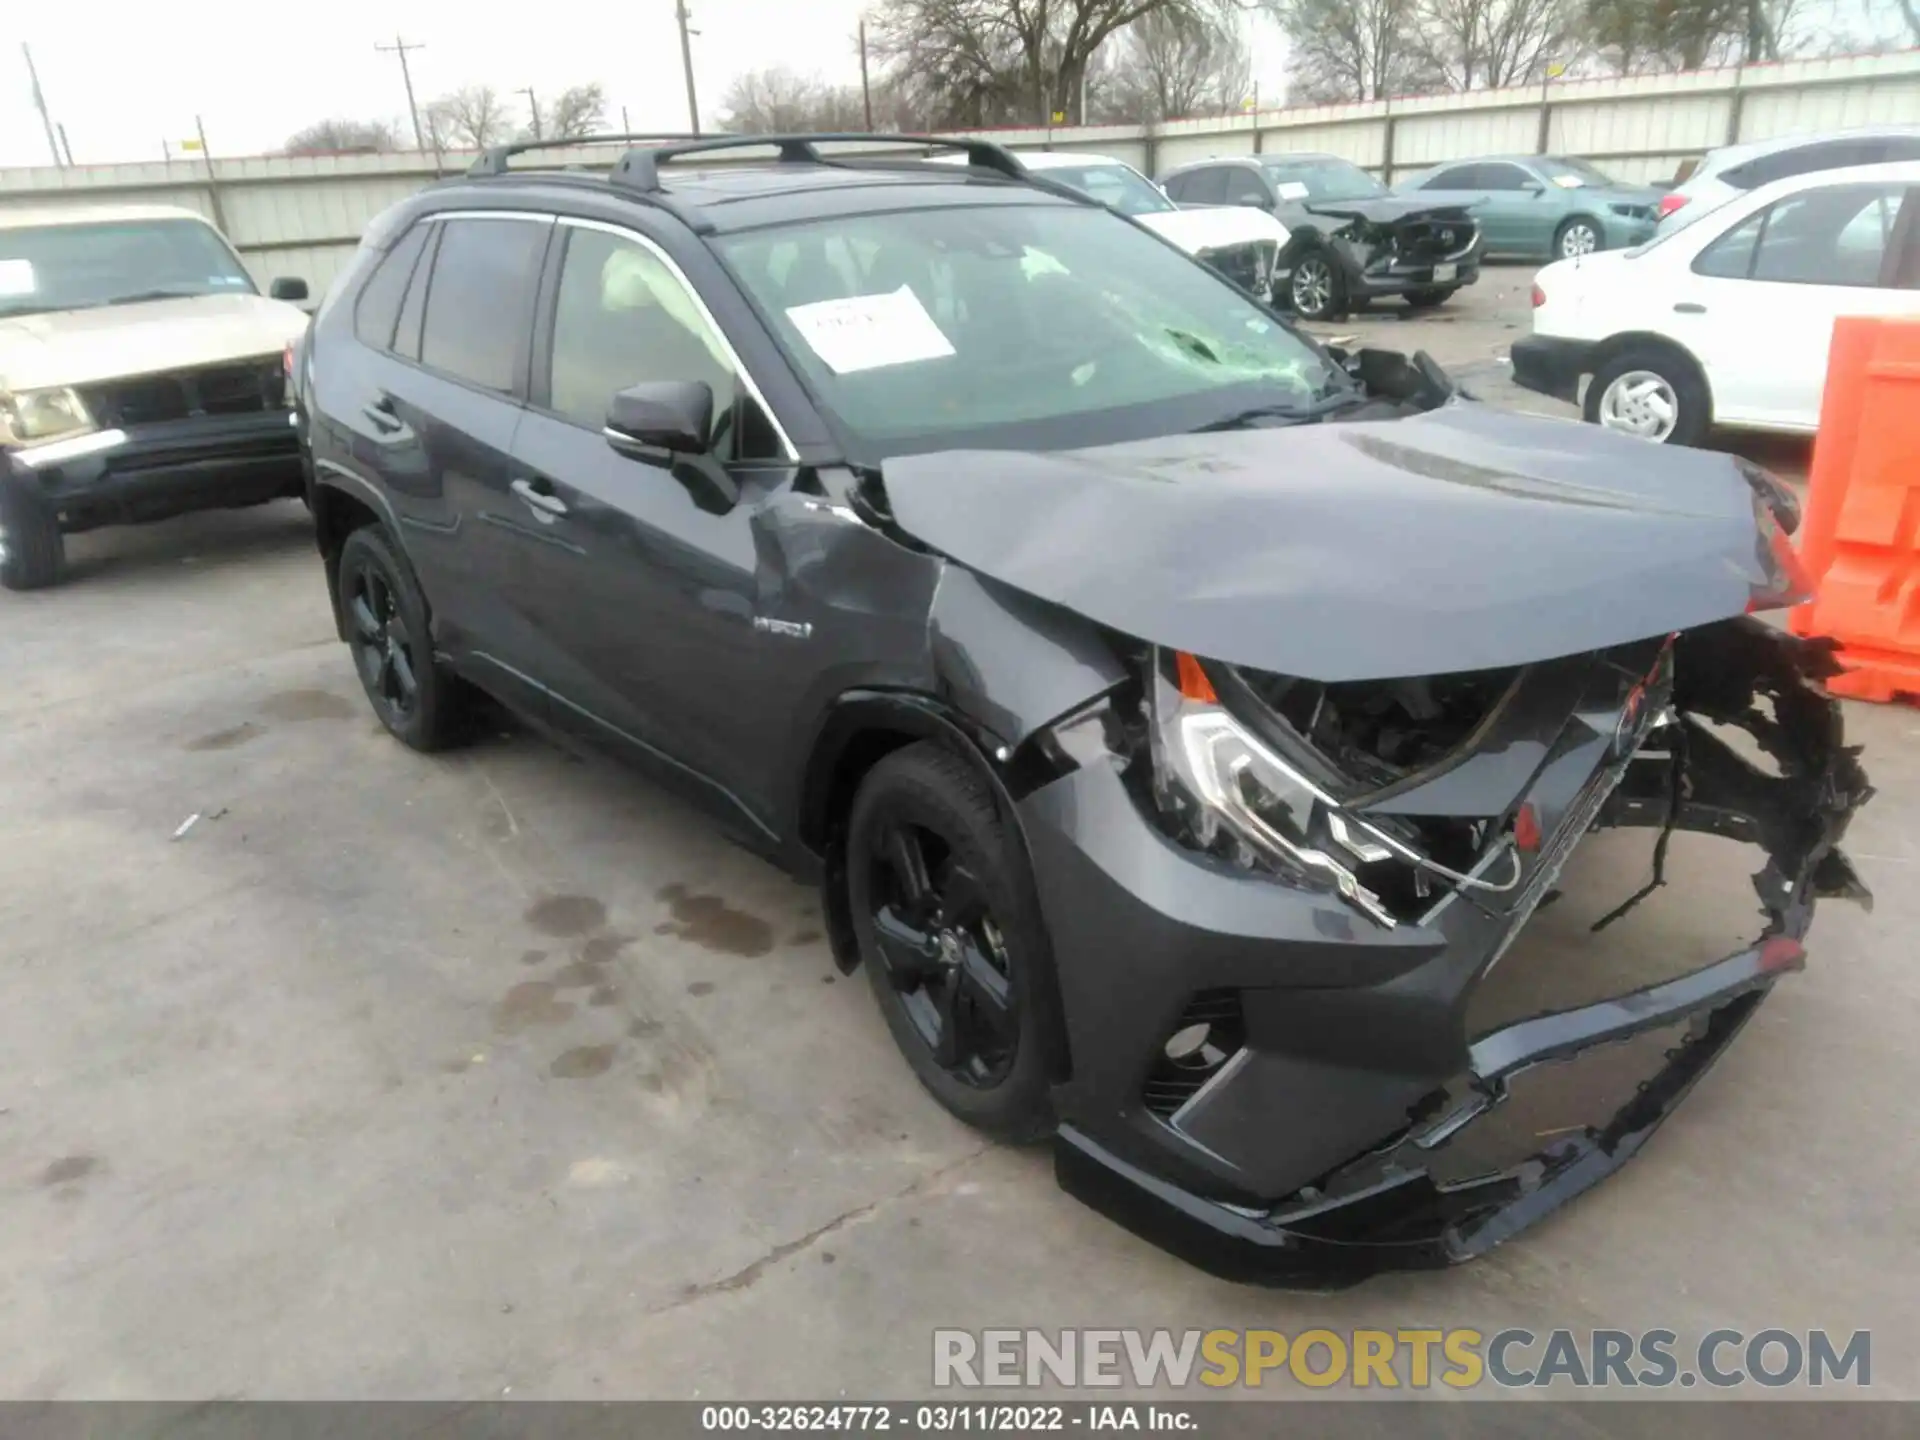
(639, 169)
(494, 161)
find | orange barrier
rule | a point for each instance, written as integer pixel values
(1860, 534)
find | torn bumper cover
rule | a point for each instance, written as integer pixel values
(1281, 1085)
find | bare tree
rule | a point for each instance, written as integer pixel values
(344, 137)
(989, 61)
(473, 116)
(1351, 49)
(577, 112)
(762, 102)
(1486, 44)
(1170, 64)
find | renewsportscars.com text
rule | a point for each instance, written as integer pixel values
(1460, 1359)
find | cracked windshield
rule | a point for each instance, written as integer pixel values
(989, 327)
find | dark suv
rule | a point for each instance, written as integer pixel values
(1180, 718)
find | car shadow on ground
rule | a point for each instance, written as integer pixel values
(211, 538)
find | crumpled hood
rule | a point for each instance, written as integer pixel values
(1460, 539)
(1196, 231)
(75, 347)
(1392, 209)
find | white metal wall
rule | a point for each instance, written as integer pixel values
(303, 215)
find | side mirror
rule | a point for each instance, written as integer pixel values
(1533, 187)
(673, 415)
(674, 418)
(288, 287)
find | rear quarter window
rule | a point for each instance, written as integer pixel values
(378, 309)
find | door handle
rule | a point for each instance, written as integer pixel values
(380, 415)
(543, 501)
(1687, 307)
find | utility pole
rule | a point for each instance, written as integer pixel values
(65, 144)
(866, 90)
(686, 62)
(401, 47)
(40, 102)
(533, 103)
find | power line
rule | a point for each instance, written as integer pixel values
(401, 47)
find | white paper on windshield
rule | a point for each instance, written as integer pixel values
(866, 332)
(16, 277)
(1568, 182)
(1291, 190)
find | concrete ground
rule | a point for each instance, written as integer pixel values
(498, 1073)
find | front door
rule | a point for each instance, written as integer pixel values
(645, 602)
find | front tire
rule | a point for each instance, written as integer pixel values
(1315, 287)
(384, 617)
(33, 552)
(1652, 393)
(950, 933)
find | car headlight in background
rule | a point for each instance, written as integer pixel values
(28, 417)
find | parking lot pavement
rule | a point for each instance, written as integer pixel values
(498, 1072)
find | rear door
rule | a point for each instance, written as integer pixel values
(644, 603)
(439, 417)
(1766, 292)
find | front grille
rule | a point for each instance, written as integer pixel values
(239, 388)
(1424, 241)
(1210, 1031)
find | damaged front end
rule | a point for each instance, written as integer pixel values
(1328, 1130)
(1388, 247)
(1317, 877)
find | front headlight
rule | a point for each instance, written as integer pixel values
(28, 417)
(1237, 799)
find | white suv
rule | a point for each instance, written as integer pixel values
(1732, 170)
(1728, 321)
(141, 376)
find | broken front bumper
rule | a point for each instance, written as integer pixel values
(1340, 1127)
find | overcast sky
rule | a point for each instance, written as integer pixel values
(122, 75)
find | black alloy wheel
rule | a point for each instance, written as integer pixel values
(382, 648)
(948, 928)
(384, 618)
(943, 953)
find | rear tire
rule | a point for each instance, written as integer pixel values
(1427, 299)
(1631, 392)
(33, 552)
(384, 617)
(1576, 237)
(949, 930)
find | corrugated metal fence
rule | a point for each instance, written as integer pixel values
(302, 216)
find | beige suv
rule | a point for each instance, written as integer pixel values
(142, 375)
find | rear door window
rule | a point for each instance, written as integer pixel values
(479, 302)
(1244, 187)
(1203, 187)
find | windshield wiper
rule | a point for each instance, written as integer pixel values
(140, 297)
(1287, 414)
